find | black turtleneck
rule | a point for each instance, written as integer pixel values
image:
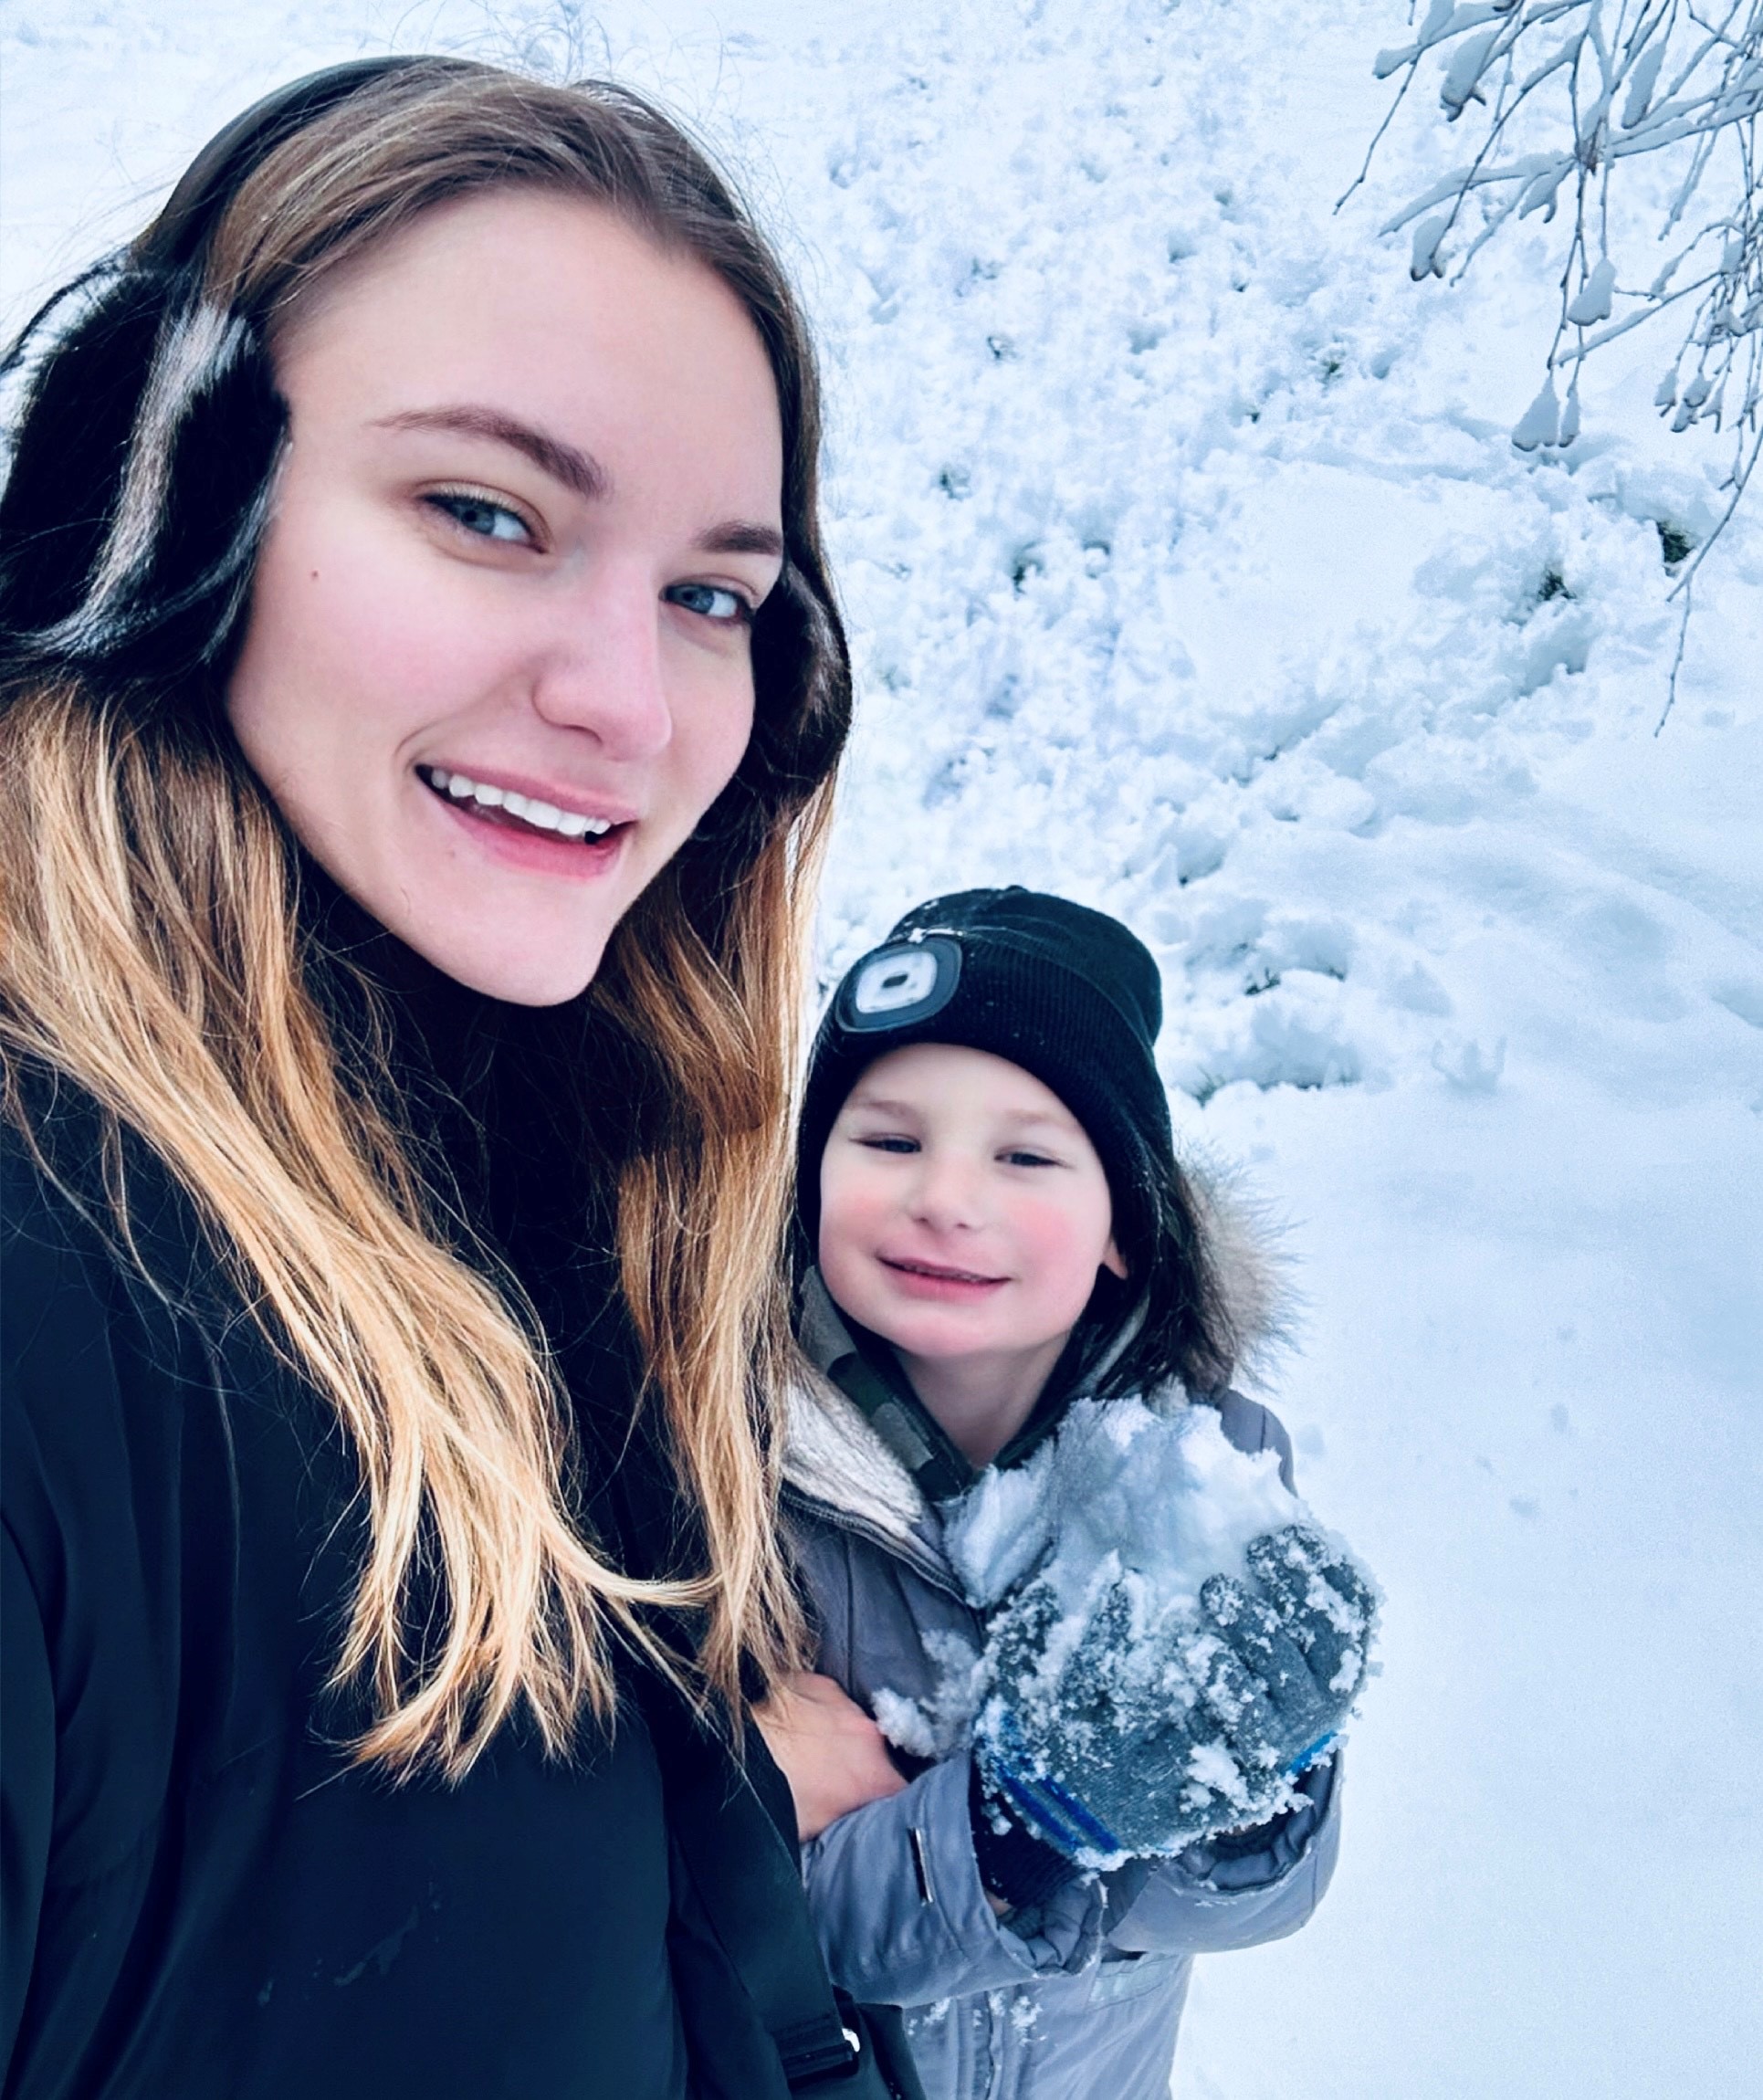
(202, 1894)
(517, 1119)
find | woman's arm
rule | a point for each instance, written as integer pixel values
(27, 1787)
(833, 1755)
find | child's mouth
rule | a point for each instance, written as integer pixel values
(934, 1279)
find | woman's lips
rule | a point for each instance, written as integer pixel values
(560, 842)
(939, 1282)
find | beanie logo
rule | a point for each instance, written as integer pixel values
(904, 983)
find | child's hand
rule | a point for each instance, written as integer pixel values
(833, 1755)
(1140, 1739)
(1092, 1752)
(1300, 1640)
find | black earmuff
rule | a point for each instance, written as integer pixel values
(143, 455)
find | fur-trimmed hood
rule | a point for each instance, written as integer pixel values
(832, 1457)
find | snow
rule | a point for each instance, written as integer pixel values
(1153, 1501)
(937, 1726)
(1166, 1497)
(1192, 570)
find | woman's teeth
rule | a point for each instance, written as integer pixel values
(542, 815)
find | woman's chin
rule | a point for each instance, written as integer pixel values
(508, 963)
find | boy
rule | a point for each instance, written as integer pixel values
(997, 1226)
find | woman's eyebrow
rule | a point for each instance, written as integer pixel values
(566, 463)
(576, 469)
(739, 536)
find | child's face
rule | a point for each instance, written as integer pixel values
(964, 1212)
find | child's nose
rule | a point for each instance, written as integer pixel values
(949, 1193)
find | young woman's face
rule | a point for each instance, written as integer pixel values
(964, 1212)
(497, 661)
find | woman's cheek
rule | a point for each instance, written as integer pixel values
(410, 642)
(719, 721)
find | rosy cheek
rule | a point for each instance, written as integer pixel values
(1060, 1246)
(721, 729)
(851, 1212)
(402, 638)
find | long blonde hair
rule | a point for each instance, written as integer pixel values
(153, 953)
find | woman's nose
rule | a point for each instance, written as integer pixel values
(604, 671)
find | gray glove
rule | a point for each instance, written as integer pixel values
(1147, 1736)
(1297, 1647)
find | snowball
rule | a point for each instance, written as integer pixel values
(1165, 1497)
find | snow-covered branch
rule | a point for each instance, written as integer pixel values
(1565, 96)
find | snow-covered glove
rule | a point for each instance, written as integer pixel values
(1298, 1640)
(1133, 1740)
(1091, 1753)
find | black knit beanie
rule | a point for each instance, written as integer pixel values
(1066, 993)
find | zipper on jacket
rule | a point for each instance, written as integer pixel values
(921, 1864)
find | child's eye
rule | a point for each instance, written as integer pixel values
(888, 1141)
(481, 516)
(711, 602)
(1018, 1156)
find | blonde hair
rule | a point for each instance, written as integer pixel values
(151, 953)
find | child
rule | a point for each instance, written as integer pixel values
(999, 1233)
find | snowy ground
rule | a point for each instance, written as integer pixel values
(1190, 571)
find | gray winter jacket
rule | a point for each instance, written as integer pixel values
(1083, 1996)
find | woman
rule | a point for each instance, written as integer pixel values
(421, 690)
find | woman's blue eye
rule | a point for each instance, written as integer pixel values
(486, 521)
(711, 601)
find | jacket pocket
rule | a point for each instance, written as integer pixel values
(1129, 1976)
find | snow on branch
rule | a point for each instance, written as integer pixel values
(1562, 99)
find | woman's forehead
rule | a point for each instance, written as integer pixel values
(543, 304)
(531, 271)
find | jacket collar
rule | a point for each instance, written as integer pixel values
(836, 1458)
(864, 1370)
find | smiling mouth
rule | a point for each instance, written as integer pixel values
(935, 1273)
(511, 811)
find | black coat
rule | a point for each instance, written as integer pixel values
(202, 1896)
